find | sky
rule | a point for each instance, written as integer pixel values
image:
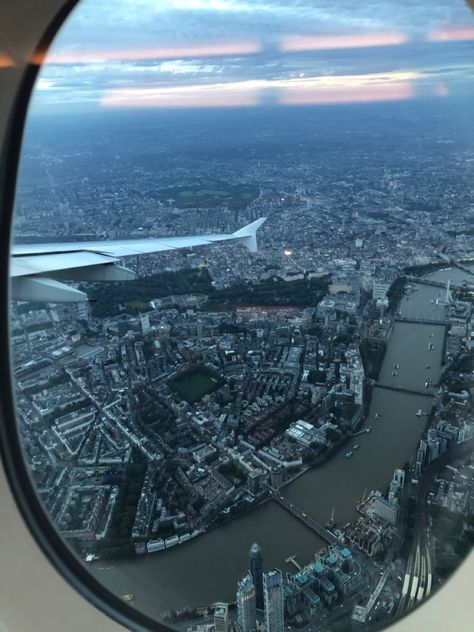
(177, 54)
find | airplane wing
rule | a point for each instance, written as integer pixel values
(35, 269)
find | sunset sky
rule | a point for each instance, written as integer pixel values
(231, 53)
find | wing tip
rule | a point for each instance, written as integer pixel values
(248, 234)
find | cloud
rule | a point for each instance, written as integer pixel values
(297, 91)
(140, 23)
(45, 84)
(214, 49)
(456, 34)
(331, 42)
(179, 67)
(155, 44)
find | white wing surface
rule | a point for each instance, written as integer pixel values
(36, 268)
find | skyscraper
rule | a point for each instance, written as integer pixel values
(246, 605)
(434, 448)
(273, 601)
(221, 617)
(256, 570)
(397, 483)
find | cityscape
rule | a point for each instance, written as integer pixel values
(242, 441)
(204, 392)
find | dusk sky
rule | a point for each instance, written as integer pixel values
(218, 53)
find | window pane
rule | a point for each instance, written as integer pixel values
(238, 436)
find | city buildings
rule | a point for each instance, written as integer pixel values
(305, 433)
(358, 618)
(380, 289)
(221, 617)
(273, 601)
(125, 464)
(256, 571)
(246, 604)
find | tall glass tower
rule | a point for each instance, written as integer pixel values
(256, 570)
(221, 617)
(246, 605)
(273, 601)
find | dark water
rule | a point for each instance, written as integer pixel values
(341, 482)
(206, 570)
(455, 275)
(421, 303)
(408, 351)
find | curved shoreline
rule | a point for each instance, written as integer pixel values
(320, 461)
(399, 429)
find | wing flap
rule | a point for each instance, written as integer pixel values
(44, 290)
(30, 265)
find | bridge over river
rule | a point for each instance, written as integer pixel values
(308, 520)
(425, 281)
(442, 284)
(400, 389)
(420, 321)
(163, 581)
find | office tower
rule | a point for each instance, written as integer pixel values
(273, 601)
(254, 482)
(358, 618)
(145, 324)
(396, 485)
(434, 448)
(256, 570)
(246, 605)
(221, 617)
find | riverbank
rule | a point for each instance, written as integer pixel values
(225, 518)
(164, 582)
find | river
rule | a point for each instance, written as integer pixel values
(453, 274)
(206, 569)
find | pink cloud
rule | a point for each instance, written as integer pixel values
(294, 44)
(217, 49)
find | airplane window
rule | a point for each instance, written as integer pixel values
(242, 289)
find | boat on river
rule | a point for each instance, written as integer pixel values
(349, 454)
